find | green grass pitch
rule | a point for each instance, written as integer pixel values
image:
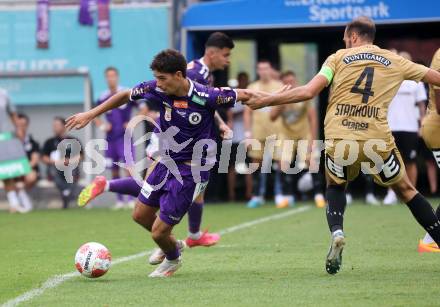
(274, 263)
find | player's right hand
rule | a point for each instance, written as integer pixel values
(78, 121)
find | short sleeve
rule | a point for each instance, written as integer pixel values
(421, 92)
(328, 68)
(436, 66)
(144, 91)
(412, 71)
(223, 97)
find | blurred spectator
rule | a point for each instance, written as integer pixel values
(259, 126)
(235, 122)
(53, 155)
(32, 149)
(299, 121)
(114, 127)
(404, 115)
(8, 115)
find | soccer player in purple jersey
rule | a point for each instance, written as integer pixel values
(114, 127)
(190, 107)
(216, 57)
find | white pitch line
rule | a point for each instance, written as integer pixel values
(59, 279)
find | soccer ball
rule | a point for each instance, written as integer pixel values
(93, 260)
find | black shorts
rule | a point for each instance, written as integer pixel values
(424, 152)
(407, 143)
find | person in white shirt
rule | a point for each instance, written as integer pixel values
(236, 123)
(404, 116)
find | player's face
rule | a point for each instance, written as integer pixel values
(264, 71)
(112, 79)
(221, 58)
(168, 82)
(290, 80)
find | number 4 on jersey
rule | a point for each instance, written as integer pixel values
(366, 91)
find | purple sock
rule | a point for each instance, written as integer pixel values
(126, 186)
(120, 197)
(173, 255)
(195, 217)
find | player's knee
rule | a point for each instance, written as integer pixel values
(138, 217)
(157, 235)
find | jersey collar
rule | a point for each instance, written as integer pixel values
(202, 61)
(191, 87)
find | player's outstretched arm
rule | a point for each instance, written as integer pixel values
(298, 94)
(81, 120)
(433, 77)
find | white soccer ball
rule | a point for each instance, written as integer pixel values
(93, 260)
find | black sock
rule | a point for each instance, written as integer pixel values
(256, 182)
(336, 207)
(286, 184)
(317, 183)
(424, 214)
(437, 212)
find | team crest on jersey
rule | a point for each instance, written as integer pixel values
(195, 118)
(180, 104)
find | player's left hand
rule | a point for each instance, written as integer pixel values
(78, 121)
(225, 132)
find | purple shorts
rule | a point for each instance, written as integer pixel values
(173, 198)
(115, 152)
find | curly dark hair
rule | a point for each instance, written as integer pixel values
(169, 61)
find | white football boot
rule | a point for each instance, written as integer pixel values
(167, 268)
(158, 255)
(333, 261)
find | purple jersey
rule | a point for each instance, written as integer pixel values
(192, 114)
(199, 72)
(118, 117)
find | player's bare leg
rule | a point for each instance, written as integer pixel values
(146, 216)
(421, 210)
(336, 203)
(161, 234)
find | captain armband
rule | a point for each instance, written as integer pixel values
(327, 73)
